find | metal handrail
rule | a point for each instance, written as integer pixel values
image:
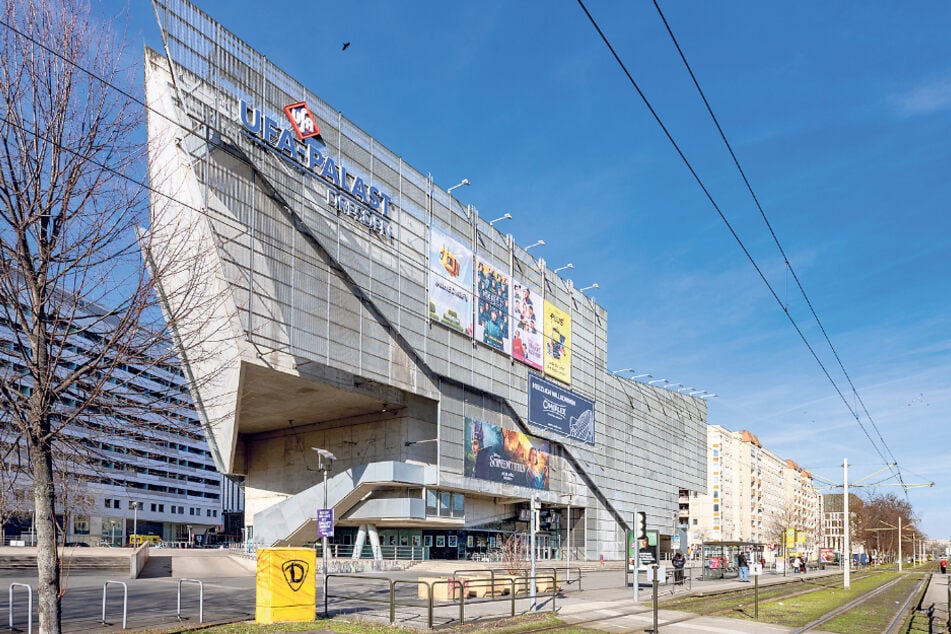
(29, 609)
(201, 599)
(125, 601)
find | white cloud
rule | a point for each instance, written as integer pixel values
(925, 98)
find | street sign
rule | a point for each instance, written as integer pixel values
(756, 569)
(325, 523)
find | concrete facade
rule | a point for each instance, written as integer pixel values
(314, 329)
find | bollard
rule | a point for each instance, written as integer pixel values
(656, 585)
(756, 597)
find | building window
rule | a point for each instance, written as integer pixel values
(431, 504)
(458, 505)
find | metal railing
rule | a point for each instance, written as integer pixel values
(201, 599)
(29, 608)
(125, 601)
(451, 592)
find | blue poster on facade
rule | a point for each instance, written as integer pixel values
(557, 409)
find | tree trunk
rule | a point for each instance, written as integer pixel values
(47, 553)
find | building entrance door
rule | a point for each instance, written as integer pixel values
(542, 546)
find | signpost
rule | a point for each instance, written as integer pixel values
(755, 571)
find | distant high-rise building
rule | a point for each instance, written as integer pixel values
(154, 477)
(753, 495)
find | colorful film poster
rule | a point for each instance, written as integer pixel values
(450, 281)
(492, 309)
(505, 456)
(557, 343)
(528, 336)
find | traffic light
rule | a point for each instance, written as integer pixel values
(640, 524)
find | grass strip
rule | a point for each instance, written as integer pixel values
(875, 615)
(799, 610)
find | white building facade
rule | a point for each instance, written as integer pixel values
(753, 494)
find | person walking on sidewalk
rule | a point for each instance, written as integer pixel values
(678, 561)
(944, 565)
(744, 567)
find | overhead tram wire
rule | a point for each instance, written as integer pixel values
(772, 233)
(729, 226)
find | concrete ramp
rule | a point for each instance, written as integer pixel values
(195, 564)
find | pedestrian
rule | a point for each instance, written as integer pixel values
(944, 565)
(678, 562)
(744, 567)
(799, 565)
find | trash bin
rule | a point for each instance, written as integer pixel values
(286, 587)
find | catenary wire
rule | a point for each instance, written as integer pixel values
(729, 226)
(772, 233)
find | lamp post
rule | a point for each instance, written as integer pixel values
(538, 243)
(464, 181)
(325, 459)
(534, 529)
(568, 541)
(135, 516)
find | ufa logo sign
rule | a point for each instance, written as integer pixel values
(303, 121)
(295, 573)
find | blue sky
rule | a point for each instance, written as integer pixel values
(840, 114)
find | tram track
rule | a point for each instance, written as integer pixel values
(742, 601)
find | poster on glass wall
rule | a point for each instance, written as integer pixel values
(557, 343)
(492, 308)
(528, 318)
(450, 281)
(505, 456)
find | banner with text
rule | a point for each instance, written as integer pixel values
(505, 456)
(450, 281)
(557, 343)
(527, 326)
(552, 407)
(492, 310)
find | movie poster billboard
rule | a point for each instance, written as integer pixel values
(557, 343)
(553, 408)
(492, 307)
(528, 336)
(505, 456)
(450, 281)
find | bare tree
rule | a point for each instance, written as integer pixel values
(879, 518)
(79, 318)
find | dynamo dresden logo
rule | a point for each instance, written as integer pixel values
(295, 573)
(303, 121)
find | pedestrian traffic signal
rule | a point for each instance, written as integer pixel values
(640, 524)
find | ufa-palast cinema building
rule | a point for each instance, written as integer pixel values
(350, 306)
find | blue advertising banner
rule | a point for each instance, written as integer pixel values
(325, 523)
(557, 409)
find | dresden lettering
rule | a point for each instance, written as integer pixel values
(353, 196)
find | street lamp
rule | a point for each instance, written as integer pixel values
(568, 541)
(505, 217)
(658, 381)
(465, 181)
(588, 288)
(325, 459)
(540, 243)
(562, 268)
(134, 505)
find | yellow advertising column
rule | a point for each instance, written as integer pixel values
(286, 585)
